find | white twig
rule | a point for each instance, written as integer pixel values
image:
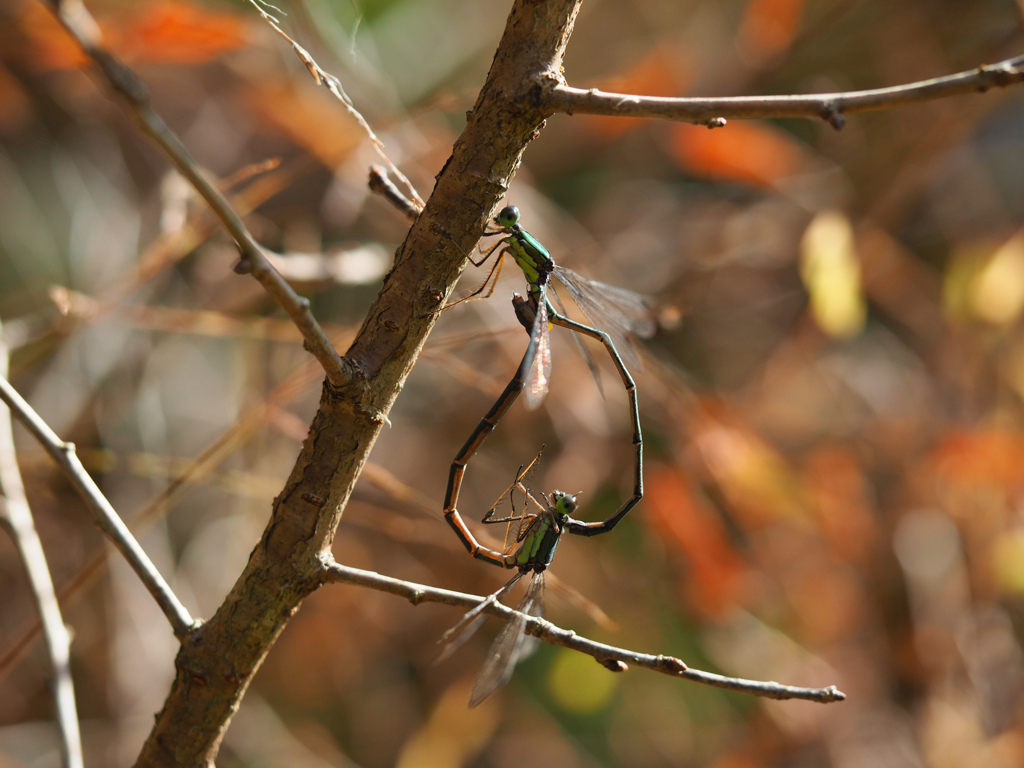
(16, 513)
(107, 518)
(610, 657)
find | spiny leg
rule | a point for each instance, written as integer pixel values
(522, 519)
(495, 272)
(489, 518)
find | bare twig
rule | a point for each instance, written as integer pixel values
(108, 519)
(333, 84)
(828, 106)
(15, 512)
(381, 184)
(217, 662)
(607, 655)
(201, 468)
(80, 24)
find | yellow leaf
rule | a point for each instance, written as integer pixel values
(579, 684)
(998, 290)
(1007, 561)
(831, 273)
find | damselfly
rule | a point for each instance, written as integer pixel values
(535, 539)
(616, 311)
(613, 312)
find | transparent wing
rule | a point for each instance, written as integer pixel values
(507, 647)
(611, 309)
(536, 608)
(473, 619)
(538, 364)
(579, 345)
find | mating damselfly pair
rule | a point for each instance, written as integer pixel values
(614, 313)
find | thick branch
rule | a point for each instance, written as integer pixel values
(107, 519)
(217, 662)
(608, 656)
(827, 106)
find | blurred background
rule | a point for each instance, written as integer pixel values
(832, 405)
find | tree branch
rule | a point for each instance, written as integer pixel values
(609, 656)
(106, 517)
(523, 88)
(830, 107)
(16, 513)
(382, 185)
(131, 90)
(333, 84)
(217, 662)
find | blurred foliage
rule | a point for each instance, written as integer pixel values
(833, 406)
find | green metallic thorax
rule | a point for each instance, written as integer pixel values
(532, 257)
(539, 540)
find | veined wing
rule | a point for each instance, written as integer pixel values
(537, 362)
(536, 608)
(508, 646)
(611, 309)
(579, 345)
(467, 626)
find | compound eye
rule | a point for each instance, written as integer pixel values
(565, 502)
(507, 216)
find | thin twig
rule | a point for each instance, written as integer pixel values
(201, 468)
(828, 106)
(333, 84)
(127, 85)
(607, 655)
(109, 521)
(382, 185)
(16, 513)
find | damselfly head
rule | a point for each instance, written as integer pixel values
(507, 217)
(564, 502)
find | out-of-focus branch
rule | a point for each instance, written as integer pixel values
(107, 518)
(333, 84)
(828, 106)
(615, 659)
(16, 513)
(80, 24)
(198, 471)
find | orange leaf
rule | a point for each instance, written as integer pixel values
(986, 457)
(715, 577)
(177, 32)
(656, 74)
(309, 115)
(755, 480)
(837, 491)
(768, 26)
(47, 45)
(167, 31)
(741, 151)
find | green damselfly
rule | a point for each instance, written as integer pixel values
(535, 539)
(612, 311)
(615, 311)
